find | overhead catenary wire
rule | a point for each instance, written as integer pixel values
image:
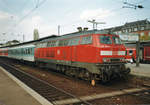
(38, 4)
(140, 2)
(7, 7)
(26, 2)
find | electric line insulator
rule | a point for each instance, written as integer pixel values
(140, 6)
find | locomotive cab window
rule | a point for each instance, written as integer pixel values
(86, 40)
(105, 39)
(116, 40)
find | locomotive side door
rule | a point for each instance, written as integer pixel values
(74, 44)
(73, 53)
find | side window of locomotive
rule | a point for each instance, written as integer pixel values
(116, 40)
(52, 44)
(61, 42)
(105, 39)
(74, 41)
(44, 44)
(48, 44)
(56, 43)
(65, 43)
(86, 40)
(39, 45)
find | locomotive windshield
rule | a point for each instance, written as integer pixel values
(108, 40)
(116, 40)
(105, 39)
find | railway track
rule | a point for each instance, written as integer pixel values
(57, 96)
(48, 91)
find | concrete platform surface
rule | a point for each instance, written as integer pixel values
(12, 94)
(143, 70)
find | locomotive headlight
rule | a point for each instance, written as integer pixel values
(106, 59)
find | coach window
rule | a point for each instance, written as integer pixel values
(30, 50)
(86, 40)
(21, 50)
(26, 51)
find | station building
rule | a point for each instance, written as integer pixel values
(141, 27)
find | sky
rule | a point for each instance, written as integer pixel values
(19, 18)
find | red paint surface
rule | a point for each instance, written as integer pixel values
(89, 53)
(147, 53)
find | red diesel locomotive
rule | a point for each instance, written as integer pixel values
(146, 55)
(91, 55)
(3, 52)
(131, 54)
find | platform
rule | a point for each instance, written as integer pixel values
(142, 71)
(14, 92)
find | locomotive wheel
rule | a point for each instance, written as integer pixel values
(105, 78)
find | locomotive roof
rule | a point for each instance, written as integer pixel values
(55, 37)
(70, 35)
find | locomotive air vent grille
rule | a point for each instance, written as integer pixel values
(115, 60)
